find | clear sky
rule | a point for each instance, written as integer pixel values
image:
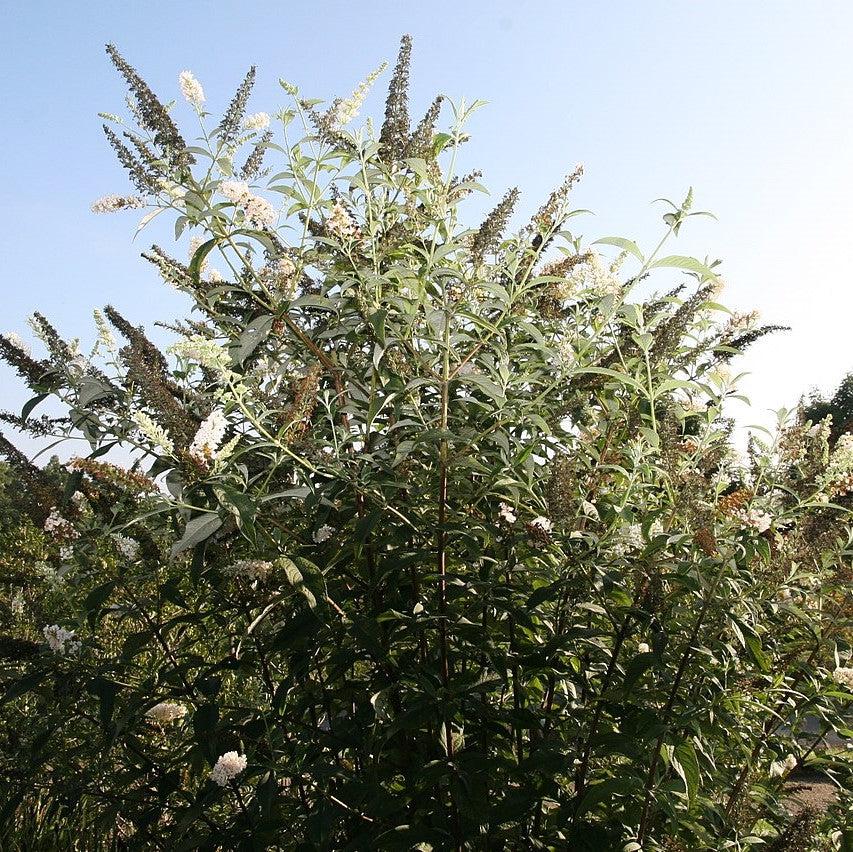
(749, 102)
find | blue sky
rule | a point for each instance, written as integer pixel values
(749, 102)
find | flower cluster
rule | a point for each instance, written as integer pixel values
(60, 640)
(539, 529)
(780, 768)
(209, 436)
(258, 211)
(755, 519)
(837, 479)
(208, 353)
(151, 430)
(257, 121)
(105, 334)
(566, 354)
(59, 527)
(346, 109)
(592, 277)
(251, 569)
(284, 267)
(17, 341)
(628, 537)
(229, 766)
(191, 89)
(114, 203)
(324, 533)
(127, 547)
(166, 711)
(843, 676)
(506, 514)
(340, 223)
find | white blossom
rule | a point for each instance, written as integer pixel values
(590, 276)
(251, 569)
(60, 640)
(843, 676)
(59, 527)
(628, 537)
(51, 576)
(204, 351)
(151, 430)
(643, 648)
(780, 768)
(191, 88)
(127, 547)
(105, 334)
(284, 267)
(114, 203)
(837, 479)
(66, 553)
(166, 711)
(209, 436)
(566, 354)
(758, 520)
(258, 211)
(744, 322)
(229, 766)
(17, 341)
(324, 533)
(542, 524)
(346, 109)
(257, 121)
(506, 514)
(195, 244)
(340, 222)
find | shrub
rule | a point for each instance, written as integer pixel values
(432, 536)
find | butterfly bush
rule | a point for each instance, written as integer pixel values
(436, 533)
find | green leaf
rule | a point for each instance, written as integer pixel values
(90, 390)
(96, 599)
(199, 257)
(689, 264)
(23, 685)
(31, 404)
(106, 691)
(256, 332)
(685, 763)
(636, 669)
(198, 529)
(294, 577)
(622, 243)
(605, 791)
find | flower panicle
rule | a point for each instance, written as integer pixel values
(153, 114)
(142, 176)
(231, 122)
(490, 232)
(550, 214)
(172, 271)
(420, 143)
(254, 162)
(394, 135)
(31, 370)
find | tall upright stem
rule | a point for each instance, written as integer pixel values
(441, 555)
(666, 715)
